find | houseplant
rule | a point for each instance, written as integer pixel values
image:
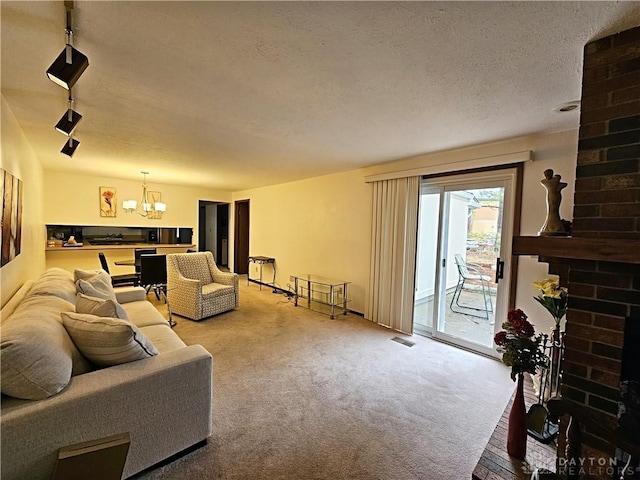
(520, 348)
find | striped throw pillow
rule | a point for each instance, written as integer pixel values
(107, 341)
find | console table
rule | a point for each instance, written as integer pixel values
(321, 293)
(260, 260)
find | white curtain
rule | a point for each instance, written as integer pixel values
(393, 253)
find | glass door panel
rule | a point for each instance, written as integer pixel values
(458, 295)
(424, 309)
(470, 257)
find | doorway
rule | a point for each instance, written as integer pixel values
(241, 237)
(462, 276)
(213, 230)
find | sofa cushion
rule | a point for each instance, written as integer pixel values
(143, 314)
(38, 357)
(107, 341)
(163, 338)
(96, 306)
(129, 294)
(99, 286)
(55, 282)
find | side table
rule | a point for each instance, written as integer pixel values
(260, 260)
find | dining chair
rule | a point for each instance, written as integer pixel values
(138, 252)
(119, 280)
(153, 273)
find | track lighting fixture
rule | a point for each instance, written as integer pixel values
(69, 120)
(65, 71)
(70, 64)
(70, 147)
(67, 68)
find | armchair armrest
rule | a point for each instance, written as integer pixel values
(225, 278)
(190, 284)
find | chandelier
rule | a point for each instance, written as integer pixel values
(148, 207)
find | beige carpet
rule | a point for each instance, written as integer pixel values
(300, 396)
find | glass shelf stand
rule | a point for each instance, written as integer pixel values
(322, 294)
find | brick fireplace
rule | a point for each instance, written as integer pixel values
(603, 295)
(600, 262)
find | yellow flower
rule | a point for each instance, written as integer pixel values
(553, 297)
(550, 288)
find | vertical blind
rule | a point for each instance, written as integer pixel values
(393, 253)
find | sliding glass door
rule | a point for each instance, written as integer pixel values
(462, 272)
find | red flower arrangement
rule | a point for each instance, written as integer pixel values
(519, 347)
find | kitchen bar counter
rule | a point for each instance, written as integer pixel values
(87, 246)
(86, 257)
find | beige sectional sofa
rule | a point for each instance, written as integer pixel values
(163, 401)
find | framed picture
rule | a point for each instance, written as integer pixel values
(11, 216)
(153, 198)
(108, 202)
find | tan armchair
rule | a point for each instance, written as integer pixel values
(196, 288)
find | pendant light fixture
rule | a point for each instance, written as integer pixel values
(147, 206)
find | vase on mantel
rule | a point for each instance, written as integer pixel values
(517, 433)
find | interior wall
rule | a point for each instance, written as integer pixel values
(320, 226)
(75, 200)
(19, 159)
(558, 152)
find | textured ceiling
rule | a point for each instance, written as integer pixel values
(235, 95)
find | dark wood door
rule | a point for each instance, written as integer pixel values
(241, 241)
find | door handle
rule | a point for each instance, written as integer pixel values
(499, 269)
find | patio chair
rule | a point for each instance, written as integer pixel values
(196, 288)
(470, 272)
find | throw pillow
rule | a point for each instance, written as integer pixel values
(99, 286)
(95, 306)
(79, 274)
(107, 341)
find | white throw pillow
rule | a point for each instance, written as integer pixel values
(99, 286)
(107, 341)
(96, 306)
